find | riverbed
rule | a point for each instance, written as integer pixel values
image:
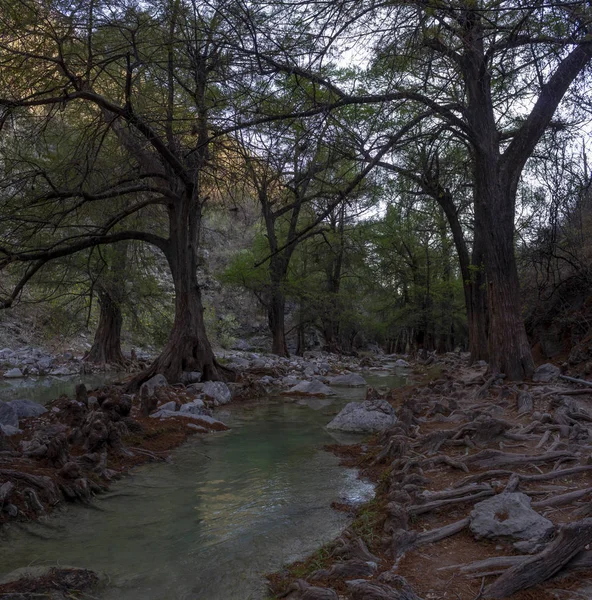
(229, 508)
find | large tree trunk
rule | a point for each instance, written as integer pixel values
(188, 347)
(509, 348)
(106, 346)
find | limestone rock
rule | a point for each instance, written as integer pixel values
(310, 388)
(13, 374)
(60, 372)
(217, 391)
(546, 373)
(27, 408)
(365, 417)
(149, 387)
(351, 380)
(8, 416)
(196, 407)
(403, 364)
(509, 515)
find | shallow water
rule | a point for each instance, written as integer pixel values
(46, 389)
(231, 507)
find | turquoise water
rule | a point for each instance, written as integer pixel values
(230, 507)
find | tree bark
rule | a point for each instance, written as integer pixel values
(509, 348)
(188, 347)
(276, 319)
(106, 346)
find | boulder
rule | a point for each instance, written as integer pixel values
(403, 364)
(217, 391)
(210, 421)
(509, 515)
(168, 406)
(546, 373)
(310, 388)
(27, 408)
(148, 388)
(196, 407)
(8, 416)
(13, 374)
(369, 416)
(351, 380)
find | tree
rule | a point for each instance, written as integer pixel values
(148, 81)
(469, 68)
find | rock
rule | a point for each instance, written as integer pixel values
(217, 391)
(197, 428)
(210, 421)
(310, 388)
(11, 510)
(168, 406)
(365, 417)
(9, 430)
(13, 374)
(8, 415)
(290, 381)
(60, 372)
(188, 377)
(27, 408)
(546, 373)
(403, 364)
(148, 388)
(196, 407)
(351, 380)
(45, 364)
(509, 515)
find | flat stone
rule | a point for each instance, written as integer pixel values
(509, 516)
(365, 417)
(351, 380)
(13, 374)
(167, 414)
(60, 372)
(8, 415)
(546, 373)
(168, 406)
(310, 388)
(27, 408)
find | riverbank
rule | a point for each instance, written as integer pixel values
(483, 490)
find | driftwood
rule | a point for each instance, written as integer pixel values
(572, 539)
(576, 380)
(494, 458)
(435, 535)
(563, 498)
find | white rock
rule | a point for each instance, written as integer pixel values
(351, 380)
(310, 388)
(365, 417)
(13, 374)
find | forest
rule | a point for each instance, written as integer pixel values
(211, 199)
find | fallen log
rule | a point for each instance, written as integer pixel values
(572, 539)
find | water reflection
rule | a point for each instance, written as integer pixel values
(230, 508)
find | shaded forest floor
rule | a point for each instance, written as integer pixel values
(461, 439)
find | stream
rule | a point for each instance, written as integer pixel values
(229, 508)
